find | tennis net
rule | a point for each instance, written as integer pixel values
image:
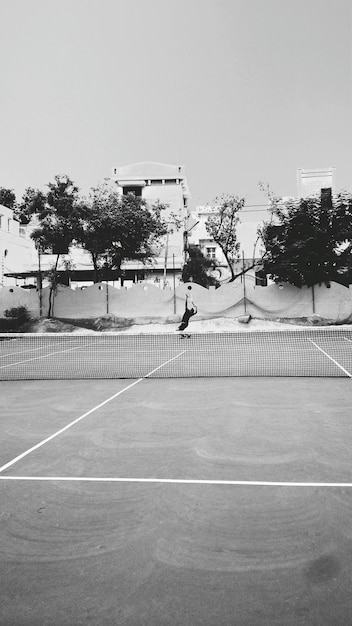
(297, 352)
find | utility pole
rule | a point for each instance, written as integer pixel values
(40, 282)
(166, 255)
(174, 281)
(185, 239)
(244, 284)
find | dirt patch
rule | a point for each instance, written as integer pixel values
(143, 325)
(312, 320)
(52, 325)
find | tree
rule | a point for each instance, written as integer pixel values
(222, 227)
(57, 212)
(32, 203)
(116, 228)
(308, 241)
(7, 198)
(58, 215)
(197, 267)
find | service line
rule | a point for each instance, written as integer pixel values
(38, 358)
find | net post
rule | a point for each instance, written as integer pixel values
(313, 299)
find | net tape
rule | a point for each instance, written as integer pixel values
(283, 352)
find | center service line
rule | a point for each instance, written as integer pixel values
(331, 359)
(78, 419)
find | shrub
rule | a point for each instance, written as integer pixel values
(19, 315)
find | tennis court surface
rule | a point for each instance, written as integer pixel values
(168, 481)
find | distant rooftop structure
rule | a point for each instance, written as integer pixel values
(150, 173)
(313, 181)
(164, 183)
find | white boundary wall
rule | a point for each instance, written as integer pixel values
(230, 300)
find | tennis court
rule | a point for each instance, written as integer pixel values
(173, 496)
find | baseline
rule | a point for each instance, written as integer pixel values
(78, 419)
(177, 481)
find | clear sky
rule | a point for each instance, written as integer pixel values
(238, 91)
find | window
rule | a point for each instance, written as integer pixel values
(8, 224)
(210, 253)
(22, 231)
(1, 216)
(137, 191)
(156, 182)
(261, 278)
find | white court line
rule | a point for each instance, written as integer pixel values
(37, 358)
(2, 356)
(162, 365)
(78, 419)
(331, 359)
(177, 481)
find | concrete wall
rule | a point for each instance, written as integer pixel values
(145, 300)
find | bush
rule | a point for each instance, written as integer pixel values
(18, 313)
(17, 316)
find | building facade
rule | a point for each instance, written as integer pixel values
(250, 249)
(311, 182)
(167, 184)
(154, 182)
(17, 249)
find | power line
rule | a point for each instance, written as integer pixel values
(255, 210)
(267, 207)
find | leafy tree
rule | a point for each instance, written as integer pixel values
(308, 241)
(7, 198)
(32, 203)
(112, 228)
(222, 227)
(197, 267)
(57, 215)
(116, 228)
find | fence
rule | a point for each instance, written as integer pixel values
(144, 300)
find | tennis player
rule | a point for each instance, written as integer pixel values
(190, 309)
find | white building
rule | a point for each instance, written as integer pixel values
(247, 236)
(311, 182)
(153, 182)
(17, 249)
(167, 184)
